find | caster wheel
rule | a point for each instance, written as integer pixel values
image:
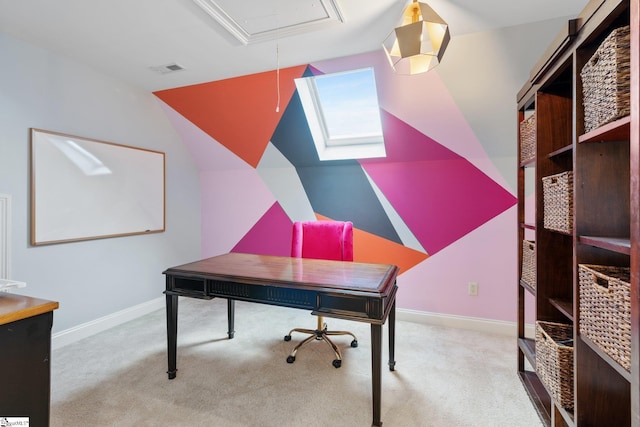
(337, 363)
(354, 343)
(287, 337)
(291, 359)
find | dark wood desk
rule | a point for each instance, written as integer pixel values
(25, 349)
(345, 290)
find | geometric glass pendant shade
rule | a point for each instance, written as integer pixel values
(419, 43)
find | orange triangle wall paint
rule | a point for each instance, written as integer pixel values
(239, 113)
(368, 247)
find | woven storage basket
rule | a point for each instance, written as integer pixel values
(529, 263)
(605, 81)
(554, 360)
(528, 138)
(558, 202)
(605, 310)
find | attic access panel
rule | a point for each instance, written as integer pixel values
(253, 21)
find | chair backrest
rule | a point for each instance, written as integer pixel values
(331, 240)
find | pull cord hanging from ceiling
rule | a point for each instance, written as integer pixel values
(278, 57)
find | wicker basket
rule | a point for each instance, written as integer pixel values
(605, 81)
(528, 138)
(558, 202)
(529, 263)
(554, 360)
(605, 310)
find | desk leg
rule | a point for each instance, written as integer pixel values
(392, 337)
(376, 368)
(231, 313)
(172, 333)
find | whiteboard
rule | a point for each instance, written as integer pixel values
(87, 189)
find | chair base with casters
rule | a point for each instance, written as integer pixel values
(330, 240)
(319, 334)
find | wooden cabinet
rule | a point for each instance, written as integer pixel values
(25, 354)
(604, 164)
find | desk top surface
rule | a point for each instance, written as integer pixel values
(15, 307)
(293, 272)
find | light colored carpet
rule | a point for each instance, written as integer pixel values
(443, 377)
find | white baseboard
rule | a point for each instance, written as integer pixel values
(497, 327)
(71, 335)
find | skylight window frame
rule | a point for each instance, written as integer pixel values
(337, 148)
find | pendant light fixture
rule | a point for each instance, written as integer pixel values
(419, 43)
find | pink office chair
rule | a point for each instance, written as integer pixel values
(332, 240)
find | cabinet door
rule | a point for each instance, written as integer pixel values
(25, 365)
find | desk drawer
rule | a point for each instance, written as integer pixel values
(350, 306)
(299, 298)
(188, 286)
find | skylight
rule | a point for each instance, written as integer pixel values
(343, 114)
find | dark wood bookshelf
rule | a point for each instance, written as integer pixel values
(528, 347)
(564, 306)
(537, 394)
(608, 359)
(615, 244)
(561, 151)
(528, 163)
(615, 131)
(605, 164)
(528, 287)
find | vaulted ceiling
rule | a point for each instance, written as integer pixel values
(139, 41)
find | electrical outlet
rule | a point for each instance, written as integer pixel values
(473, 288)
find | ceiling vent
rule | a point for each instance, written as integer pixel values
(254, 21)
(167, 68)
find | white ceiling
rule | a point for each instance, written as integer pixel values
(124, 38)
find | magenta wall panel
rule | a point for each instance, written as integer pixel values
(440, 195)
(269, 236)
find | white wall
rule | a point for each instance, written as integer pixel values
(95, 278)
(484, 72)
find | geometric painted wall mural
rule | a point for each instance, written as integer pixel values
(440, 195)
(421, 187)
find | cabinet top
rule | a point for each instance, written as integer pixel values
(17, 307)
(574, 32)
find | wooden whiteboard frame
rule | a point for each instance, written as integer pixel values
(84, 189)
